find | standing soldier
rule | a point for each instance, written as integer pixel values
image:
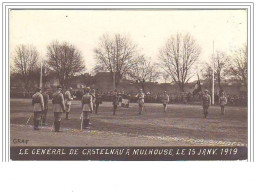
(115, 101)
(58, 108)
(98, 101)
(140, 97)
(206, 102)
(46, 100)
(68, 99)
(93, 98)
(87, 108)
(165, 100)
(222, 101)
(38, 107)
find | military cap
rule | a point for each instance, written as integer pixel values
(87, 89)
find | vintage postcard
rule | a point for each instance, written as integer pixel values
(129, 83)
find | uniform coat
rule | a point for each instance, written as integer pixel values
(165, 99)
(140, 97)
(87, 103)
(58, 102)
(38, 102)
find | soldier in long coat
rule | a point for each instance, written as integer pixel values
(98, 101)
(38, 107)
(87, 108)
(140, 97)
(165, 100)
(206, 102)
(58, 108)
(222, 101)
(68, 100)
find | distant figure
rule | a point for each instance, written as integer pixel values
(38, 107)
(46, 100)
(87, 108)
(165, 100)
(222, 101)
(98, 101)
(206, 102)
(68, 100)
(115, 101)
(141, 97)
(58, 107)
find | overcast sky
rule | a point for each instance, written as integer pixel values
(148, 29)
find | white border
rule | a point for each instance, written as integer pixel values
(213, 5)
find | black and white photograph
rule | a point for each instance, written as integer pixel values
(127, 98)
(128, 83)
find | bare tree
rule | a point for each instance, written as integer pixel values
(115, 54)
(178, 56)
(65, 61)
(26, 65)
(144, 71)
(207, 75)
(165, 76)
(221, 62)
(238, 67)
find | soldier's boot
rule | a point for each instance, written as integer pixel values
(34, 122)
(67, 115)
(114, 111)
(222, 111)
(87, 124)
(84, 124)
(38, 124)
(56, 128)
(58, 125)
(43, 121)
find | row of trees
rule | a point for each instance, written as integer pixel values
(233, 67)
(63, 61)
(121, 57)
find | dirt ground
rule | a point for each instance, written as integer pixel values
(182, 125)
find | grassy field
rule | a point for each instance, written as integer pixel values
(181, 125)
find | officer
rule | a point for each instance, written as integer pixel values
(115, 101)
(58, 107)
(222, 101)
(38, 107)
(98, 101)
(46, 100)
(165, 100)
(206, 102)
(140, 97)
(68, 99)
(87, 108)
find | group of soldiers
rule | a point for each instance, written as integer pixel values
(91, 100)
